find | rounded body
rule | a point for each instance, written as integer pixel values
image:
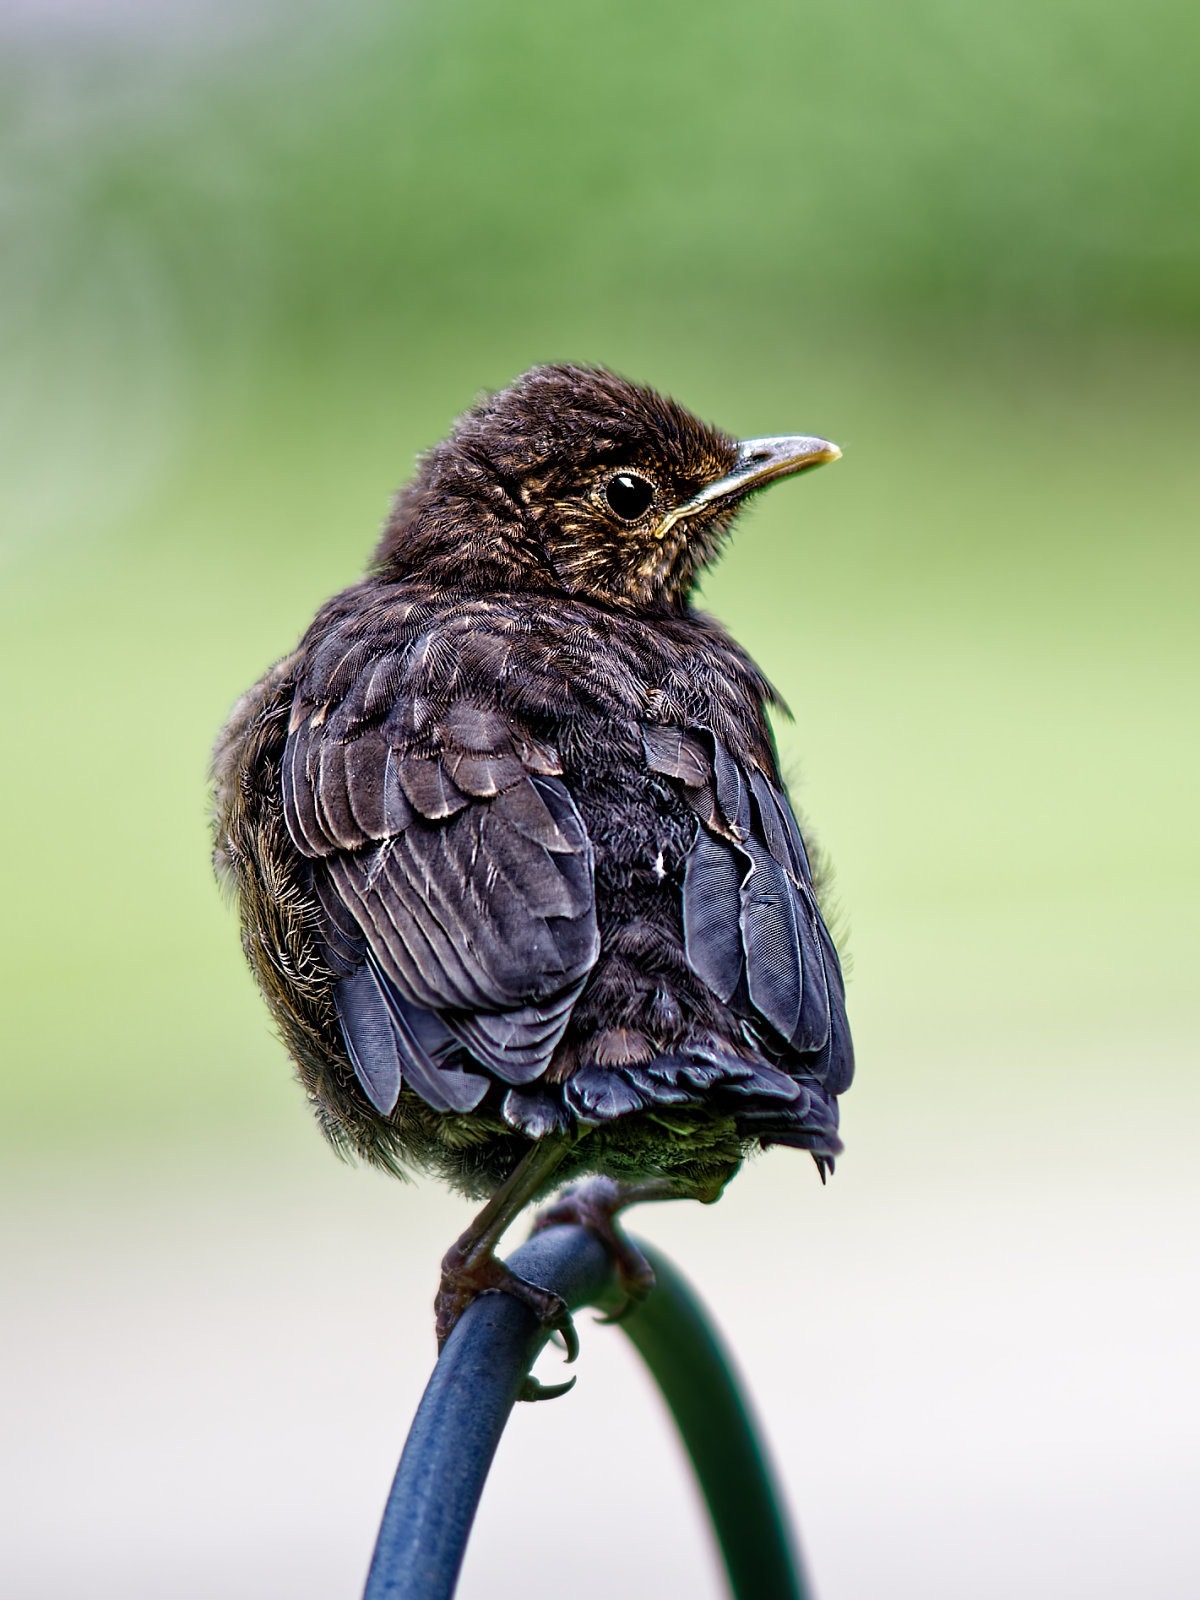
(381, 762)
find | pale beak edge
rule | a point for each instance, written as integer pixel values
(759, 461)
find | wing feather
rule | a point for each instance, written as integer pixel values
(454, 870)
(772, 941)
(752, 928)
(712, 884)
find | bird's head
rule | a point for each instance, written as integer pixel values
(573, 478)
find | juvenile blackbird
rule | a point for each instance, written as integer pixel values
(517, 873)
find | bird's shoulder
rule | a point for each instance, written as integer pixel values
(543, 659)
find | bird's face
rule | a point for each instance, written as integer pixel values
(580, 478)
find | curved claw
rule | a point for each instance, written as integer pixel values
(636, 1279)
(531, 1390)
(566, 1332)
(611, 1317)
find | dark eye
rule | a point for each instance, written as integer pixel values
(629, 496)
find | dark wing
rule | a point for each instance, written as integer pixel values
(455, 873)
(752, 928)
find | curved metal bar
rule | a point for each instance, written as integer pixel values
(674, 1337)
(478, 1378)
(458, 1424)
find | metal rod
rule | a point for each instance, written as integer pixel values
(476, 1382)
(462, 1414)
(674, 1337)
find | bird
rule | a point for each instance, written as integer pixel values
(517, 872)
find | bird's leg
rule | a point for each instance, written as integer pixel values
(596, 1203)
(470, 1266)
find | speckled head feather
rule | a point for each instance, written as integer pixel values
(523, 488)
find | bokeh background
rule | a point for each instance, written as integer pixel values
(256, 256)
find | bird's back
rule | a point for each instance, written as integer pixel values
(527, 864)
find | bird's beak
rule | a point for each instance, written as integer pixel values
(759, 461)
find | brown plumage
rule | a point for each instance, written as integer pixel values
(516, 870)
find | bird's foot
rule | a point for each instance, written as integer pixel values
(595, 1205)
(470, 1269)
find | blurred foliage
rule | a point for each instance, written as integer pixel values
(257, 259)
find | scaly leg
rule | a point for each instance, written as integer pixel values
(470, 1266)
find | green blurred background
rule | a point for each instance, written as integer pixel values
(255, 258)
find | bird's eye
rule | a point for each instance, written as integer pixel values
(629, 495)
